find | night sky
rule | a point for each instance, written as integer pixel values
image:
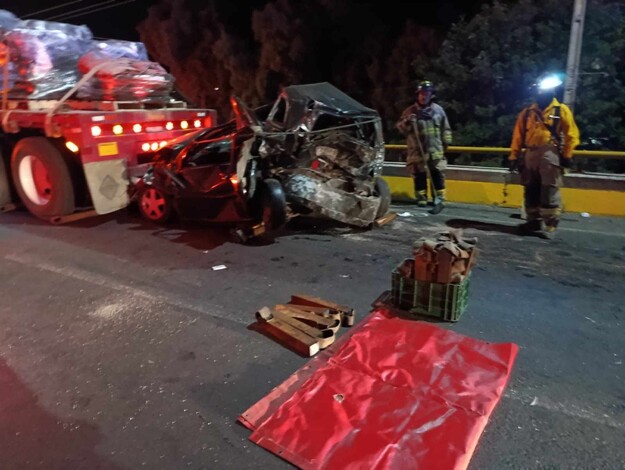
(119, 21)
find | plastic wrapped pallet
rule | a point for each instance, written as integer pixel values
(7, 21)
(117, 49)
(44, 57)
(123, 79)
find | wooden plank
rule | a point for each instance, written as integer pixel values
(63, 219)
(324, 337)
(323, 311)
(8, 207)
(385, 219)
(319, 320)
(348, 314)
(287, 334)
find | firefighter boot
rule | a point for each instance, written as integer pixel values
(548, 232)
(440, 194)
(530, 227)
(551, 218)
(422, 198)
(439, 202)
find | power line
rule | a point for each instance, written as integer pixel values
(83, 10)
(51, 8)
(96, 10)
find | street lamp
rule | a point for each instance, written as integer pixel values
(575, 51)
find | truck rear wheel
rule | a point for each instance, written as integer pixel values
(5, 189)
(42, 178)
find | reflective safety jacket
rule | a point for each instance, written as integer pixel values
(434, 131)
(532, 129)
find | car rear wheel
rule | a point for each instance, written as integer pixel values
(273, 204)
(155, 205)
(42, 178)
(383, 191)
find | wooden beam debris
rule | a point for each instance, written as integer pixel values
(385, 219)
(307, 324)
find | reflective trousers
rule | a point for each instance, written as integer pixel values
(541, 177)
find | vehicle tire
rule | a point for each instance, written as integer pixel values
(155, 205)
(42, 178)
(273, 204)
(5, 189)
(384, 192)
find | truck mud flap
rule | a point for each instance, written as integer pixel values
(108, 185)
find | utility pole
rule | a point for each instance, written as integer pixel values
(575, 51)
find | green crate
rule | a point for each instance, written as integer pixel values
(444, 301)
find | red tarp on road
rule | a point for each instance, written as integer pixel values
(394, 394)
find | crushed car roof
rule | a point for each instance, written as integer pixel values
(325, 96)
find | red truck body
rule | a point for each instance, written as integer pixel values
(106, 139)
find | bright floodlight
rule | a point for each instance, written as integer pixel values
(552, 81)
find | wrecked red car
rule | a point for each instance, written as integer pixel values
(318, 153)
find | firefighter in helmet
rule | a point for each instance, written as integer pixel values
(547, 130)
(428, 134)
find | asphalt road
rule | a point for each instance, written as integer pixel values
(121, 348)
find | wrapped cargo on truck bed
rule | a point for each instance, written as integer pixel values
(47, 60)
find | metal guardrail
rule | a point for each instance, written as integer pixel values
(605, 154)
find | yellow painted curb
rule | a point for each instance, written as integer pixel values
(593, 201)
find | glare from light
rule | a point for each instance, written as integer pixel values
(72, 146)
(96, 131)
(184, 125)
(169, 126)
(154, 146)
(197, 123)
(552, 81)
(137, 128)
(117, 129)
(145, 147)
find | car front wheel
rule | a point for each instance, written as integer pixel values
(155, 205)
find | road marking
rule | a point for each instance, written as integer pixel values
(148, 294)
(568, 409)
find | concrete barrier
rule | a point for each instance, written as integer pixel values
(597, 194)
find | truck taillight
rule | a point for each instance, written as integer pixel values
(163, 143)
(118, 129)
(137, 128)
(169, 126)
(208, 122)
(154, 146)
(197, 123)
(96, 131)
(184, 124)
(145, 147)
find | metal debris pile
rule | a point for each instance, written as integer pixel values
(445, 258)
(306, 324)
